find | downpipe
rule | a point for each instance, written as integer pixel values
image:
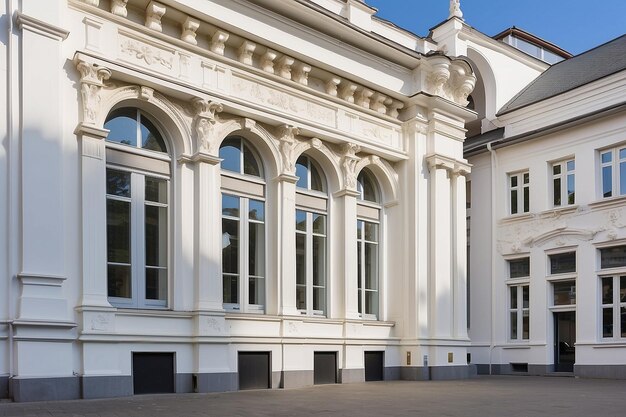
(494, 166)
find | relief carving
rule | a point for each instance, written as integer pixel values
(204, 119)
(287, 137)
(144, 52)
(92, 77)
(349, 164)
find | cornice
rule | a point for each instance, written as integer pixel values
(40, 27)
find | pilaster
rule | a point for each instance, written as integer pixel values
(287, 243)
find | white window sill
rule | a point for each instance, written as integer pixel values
(516, 218)
(608, 202)
(559, 211)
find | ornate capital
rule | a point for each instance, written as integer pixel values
(92, 77)
(287, 137)
(348, 164)
(204, 119)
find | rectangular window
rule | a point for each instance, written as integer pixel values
(519, 312)
(243, 253)
(519, 193)
(367, 273)
(137, 239)
(614, 257)
(563, 183)
(519, 268)
(311, 252)
(564, 293)
(562, 263)
(613, 301)
(613, 172)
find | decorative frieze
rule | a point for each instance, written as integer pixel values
(118, 7)
(218, 42)
(190, 26)
(246, 52)
(154, 13)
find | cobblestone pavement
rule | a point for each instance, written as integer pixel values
(483, 396)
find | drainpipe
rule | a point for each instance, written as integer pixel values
(494, 166)
(10, 177)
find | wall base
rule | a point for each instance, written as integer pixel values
(107, 386)
(349, 376)
(600, 371)
(218, 382)
(45, 389)
(297, 379)
(420, 373)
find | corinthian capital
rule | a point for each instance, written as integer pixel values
(92, 77)
(204, 120)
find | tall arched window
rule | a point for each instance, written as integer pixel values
(368, 235)
(243, 227)
(137, 184)
(311, 238)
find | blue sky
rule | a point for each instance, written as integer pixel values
(574, 25)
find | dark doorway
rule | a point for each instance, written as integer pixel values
(565, 338)
(325, 368)
(153, 372)
(254, 370)
(374, 366)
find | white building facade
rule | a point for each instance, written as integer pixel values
(211, 196)
(218, 195)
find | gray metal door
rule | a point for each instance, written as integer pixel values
(325, 368)
(254, 370)
(153, 372)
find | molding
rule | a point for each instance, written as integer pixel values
(24, 21)
(580, 234)
(41, 279)
(619, 201)
(91, 131)
(44, 323)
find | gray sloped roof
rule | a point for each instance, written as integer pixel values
(575, 72)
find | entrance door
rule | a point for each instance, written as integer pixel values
(565, 337)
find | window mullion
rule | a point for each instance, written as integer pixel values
(244, 254)
(309, 262)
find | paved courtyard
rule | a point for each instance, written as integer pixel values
(483, 396)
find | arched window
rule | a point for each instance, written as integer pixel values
(243, 227)
(137, 187)
(311, 237)
(368, 236)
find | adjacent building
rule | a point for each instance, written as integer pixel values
(220, 195)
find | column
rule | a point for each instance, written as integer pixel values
(348, 253)
(287, 244)
(459, 237)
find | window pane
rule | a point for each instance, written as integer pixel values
(607, 157)
(371, 302)
(118, 183)
(371, 232)
(359, 265)
(622, 314)
(513, 318)
(319, 260)
(156, 190)
(319, 224)
(571, 189)
(571, 165)
(302, 172)
(319, 299)
(607, 181)
(230, 246)
(513, 181)
(513, 297)
(256, 293)
(556, 169)
(156, 236)
(301, 220)
(513, 201)
(256, 250)
(231, 289)
(118, 281)
(526, 178)
(360, 301)
(562, 263)
(622, 289)
(366, 187)
(230, 205)
(150, 137)
(564, 293)
(156, 284)
(118, 231)
(613, 257)
(360, 225)
(250, 164)
(317, 183)
(557, 192)
(371, 266)
(526, 199)
(230, 153)
(300, 297)
(122, 126)
(525, 325)
(607, 290)
(300, 259)
(519, 268)
(525, 296)
(607, 322)
(256, 210)
(622, 153)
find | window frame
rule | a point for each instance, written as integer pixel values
(522, 190)
(563, 177)
(518, 283)
(616, 164)
(309, 234)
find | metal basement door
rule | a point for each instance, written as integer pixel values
(153, 372)
(325, 368)
(254, 370)
(374, 366)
